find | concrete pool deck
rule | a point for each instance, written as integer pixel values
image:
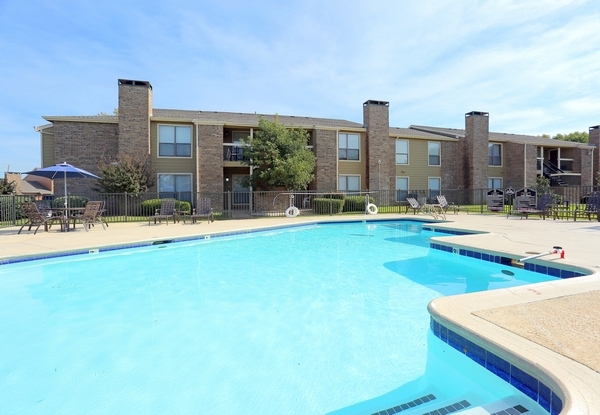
(551, 330)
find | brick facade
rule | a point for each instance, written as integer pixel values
(135, 110)
(325, 149)
(83, 145)
(381, 150)
(452, 157)
(519, 173)
(210, 160)
(582, 161)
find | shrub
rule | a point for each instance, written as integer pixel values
(149, 206)
(74, 201)
(356, 203)
(324, 206)
(340, 196)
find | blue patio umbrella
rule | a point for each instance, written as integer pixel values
(64, 171)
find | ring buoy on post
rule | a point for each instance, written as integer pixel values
(292, 212)
(372, 209)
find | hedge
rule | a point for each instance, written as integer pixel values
(325, 206)
(356, 203)
(149, 206)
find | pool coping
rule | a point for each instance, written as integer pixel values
(576, 384)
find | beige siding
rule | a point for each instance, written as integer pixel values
(496, 171)
(47, 148)
(417, 170)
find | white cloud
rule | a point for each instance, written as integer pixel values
(533, 65)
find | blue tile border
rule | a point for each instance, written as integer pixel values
(523, 381)
(499, 259)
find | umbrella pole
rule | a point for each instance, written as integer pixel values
(66, 197)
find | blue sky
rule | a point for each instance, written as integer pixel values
(533, 65)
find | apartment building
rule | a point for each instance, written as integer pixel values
(201, 151)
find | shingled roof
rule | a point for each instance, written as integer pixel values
(247, 119)
(502, 137)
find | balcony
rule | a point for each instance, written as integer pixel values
(233, 154)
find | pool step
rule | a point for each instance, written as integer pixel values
(426, 405)
(405, 406)
(430, 405)
(507, 406)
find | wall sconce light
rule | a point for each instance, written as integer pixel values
(226, 179)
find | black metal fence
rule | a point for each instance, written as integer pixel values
(125, 207)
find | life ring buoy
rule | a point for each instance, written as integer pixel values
(292, 212)
(372, 209)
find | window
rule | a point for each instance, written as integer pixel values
(495, 182)
(401, 188)
(401, 151)
(495, 154)
(434, 185)
(349, 183)
(174, 141)
(433, 150)
(178, 186)
(349, 146)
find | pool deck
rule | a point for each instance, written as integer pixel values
(550, 329)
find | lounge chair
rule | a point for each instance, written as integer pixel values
(523, 206)
(445, 205)
(35, 218)
(166, 211)
(202, 209)
(592, 207)
(90, 215)
(430, 209)
(413, 204)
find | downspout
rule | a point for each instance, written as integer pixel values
(250, 202)
(592, 169)
(525, 166)
(337, 158)
(197, 159)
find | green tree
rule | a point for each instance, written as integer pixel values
(6, 187)
(578, 137)
(131, 174)
(279, 157)
(115, 112)
(542, 185)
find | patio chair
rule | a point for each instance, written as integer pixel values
(166, 211)
(45, 208)
(592, 207)
(37, 219)
(413, 204)
(102, 212)
(90, 215)
(445, 205)
(523, 206)
(202, 209)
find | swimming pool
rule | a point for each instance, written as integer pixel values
(312, 319)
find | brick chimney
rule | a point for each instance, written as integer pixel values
(135, 110)
(381, 168)
(477, 138)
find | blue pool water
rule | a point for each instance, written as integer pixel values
(306, 320)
